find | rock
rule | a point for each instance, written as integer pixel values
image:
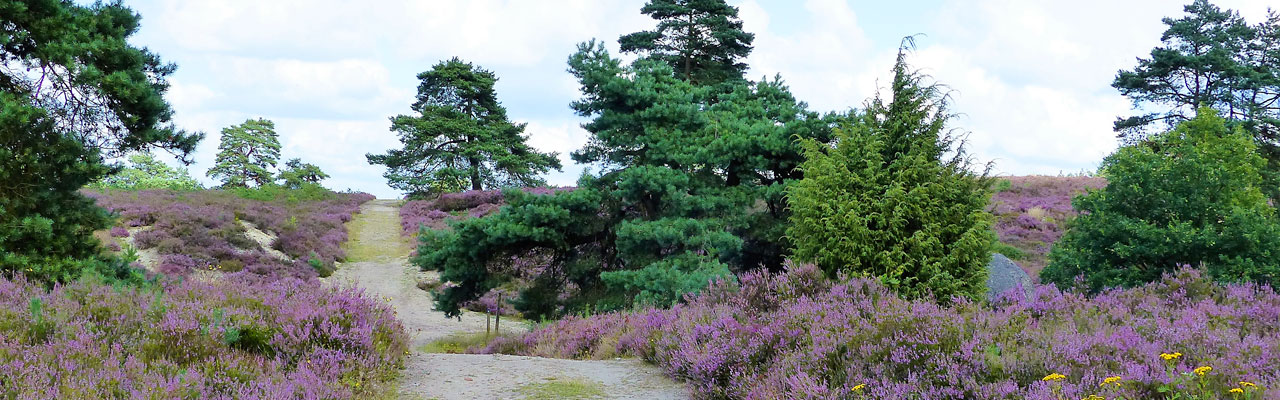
(1003, 275)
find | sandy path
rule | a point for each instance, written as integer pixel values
(379, 264)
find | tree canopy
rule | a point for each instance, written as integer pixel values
(702, 40)
(72, 89)
(246, 154)
(1192, 197)
(297, 173)
(461, 137)
(1210, 57)
(146, 172)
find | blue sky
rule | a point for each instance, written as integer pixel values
(1031, 79)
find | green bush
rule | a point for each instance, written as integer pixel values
(146, 172)
(1191, 196)
(887, 201)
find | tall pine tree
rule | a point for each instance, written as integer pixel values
(460, 138)
(246, 154)
(702, 40)
(691, 190)
(72, 89)
(1210, 57)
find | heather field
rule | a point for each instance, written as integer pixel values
(1032, 211)
(800, 335)
(222, 317)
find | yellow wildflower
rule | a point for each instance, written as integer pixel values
(1236, 390)
(1170, 356)
(859, 387)
(1247, 384)
(1094, 397)
(1053, 377)
(1202, 370)
(1111, 379)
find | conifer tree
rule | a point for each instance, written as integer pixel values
(894, 198)
(72, 90)
(702, 40)
(297, 174)
(246, 154)
(460, 138)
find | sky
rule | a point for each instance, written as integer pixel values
(1030, 79)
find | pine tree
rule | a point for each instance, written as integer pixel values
(702, 40)
(297, 174)
(72, 89)
(246, 154)
(1210, 57)
(1189, 197)
(886, 200)
(461, 137)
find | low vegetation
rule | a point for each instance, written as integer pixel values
(800, 335)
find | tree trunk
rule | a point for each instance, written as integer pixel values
(475, 173)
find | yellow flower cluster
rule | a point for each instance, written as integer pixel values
(1110, 380)
(1236, 390)
(1053, 377)
(1202, 370)
(1170, 356)
(1094, 397)
(858, 387)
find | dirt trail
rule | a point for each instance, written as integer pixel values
(378, 263)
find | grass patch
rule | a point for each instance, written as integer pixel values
(457, 343)
(562, 389)
(369, 240)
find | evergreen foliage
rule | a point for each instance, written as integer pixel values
(894, 198)
(296, 174)
(691, 190)
(72, 89)
(461, 137)
(1190, 197)
(246, 154)
(702, 40)
(146, 172)
(1210, 57)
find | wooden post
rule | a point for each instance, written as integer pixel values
(497, 318)
(486, 325)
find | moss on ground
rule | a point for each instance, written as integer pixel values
(562, 389)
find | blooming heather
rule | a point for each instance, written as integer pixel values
(222, 340)
(1031, 213)
(202, 230)
(797, 335)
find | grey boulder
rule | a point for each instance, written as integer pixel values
(1003, 275)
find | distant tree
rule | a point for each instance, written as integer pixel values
(702, 40)
(1210, 57)
(72, 89)
(146, 172)
(894, 198)
(461, 137)
(1192, 197)
(297, 173)
(246, 154)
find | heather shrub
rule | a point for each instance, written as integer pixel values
(1152, 218)
(893, 198)
(1033, 212)
(799, 335)
(206, 227)
(220, 340)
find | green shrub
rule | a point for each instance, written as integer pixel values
(146, 172)
(886, 201)
(1191, 196)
